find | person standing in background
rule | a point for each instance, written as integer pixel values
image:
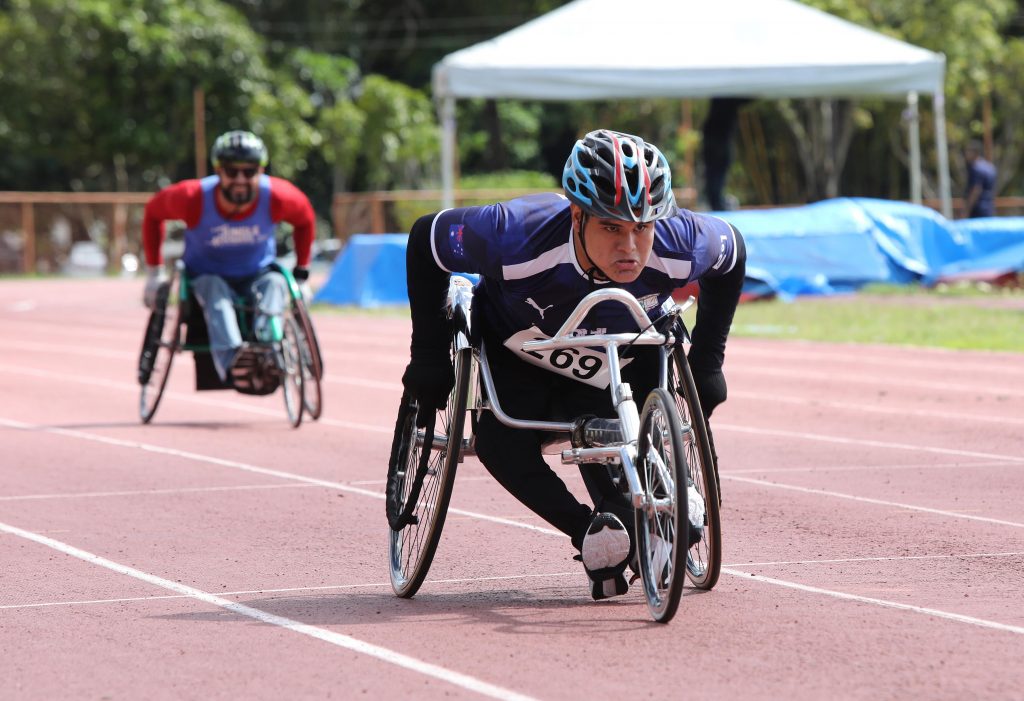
(979, 201)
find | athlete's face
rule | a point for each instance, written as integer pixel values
(619, 248)
(238, 181)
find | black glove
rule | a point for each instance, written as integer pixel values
(711, 389)
(429, 381)
(300, 273)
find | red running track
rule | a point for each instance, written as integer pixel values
(874, 537)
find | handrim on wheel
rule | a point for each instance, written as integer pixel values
(292, 379)
(159, 345)
(661, 520)
(704, 560)
(411, 547)
(312, 362)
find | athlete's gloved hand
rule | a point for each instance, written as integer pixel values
(301, 275)
(711, 389)
(155, 277)
(710, 381)
(429, 381)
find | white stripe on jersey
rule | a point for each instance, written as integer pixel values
(673, 267)
(732, 232)
(433, 243)
(545, 261)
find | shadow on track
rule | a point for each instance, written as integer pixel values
(524, 612)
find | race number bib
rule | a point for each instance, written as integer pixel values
(582, 364)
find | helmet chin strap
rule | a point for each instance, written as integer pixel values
(593, 273)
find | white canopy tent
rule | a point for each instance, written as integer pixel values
(613, 49)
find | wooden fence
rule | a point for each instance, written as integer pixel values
(113, 220)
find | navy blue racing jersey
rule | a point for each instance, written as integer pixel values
(532, 280)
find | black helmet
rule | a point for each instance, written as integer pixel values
(619, 176)
(239, 147)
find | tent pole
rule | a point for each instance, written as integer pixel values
(447, 117)
(914, 127)
(943, 152)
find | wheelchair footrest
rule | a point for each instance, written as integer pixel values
(256, 370)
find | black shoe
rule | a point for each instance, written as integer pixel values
(607, 588)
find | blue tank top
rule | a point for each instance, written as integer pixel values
(532, 280)
(231, 248)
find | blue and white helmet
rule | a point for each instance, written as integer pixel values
(619, 176)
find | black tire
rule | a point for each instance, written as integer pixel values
(412, 545)
(312, 363)
(160, 343)
(292, 375)
(704, 562)
(661, 521)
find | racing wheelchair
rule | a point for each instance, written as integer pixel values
(660, 456)
(291, 359)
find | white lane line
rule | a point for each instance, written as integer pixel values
(869, 500)
(290, 590)
(118, 355)
(484, 517)
(69, 350)
(181, 397)
(959, 618)
(501, 578)
(890, 558)
(947, 388)
(803, 435)
(344, 641)
(896, 411)
(150, 492)
(360, 382)
(886, 467)
(953, 363)
(506, 522)
(197, 457)
(24, 305)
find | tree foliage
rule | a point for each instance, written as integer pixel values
(97, 95)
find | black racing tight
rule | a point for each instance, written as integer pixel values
(513, 456)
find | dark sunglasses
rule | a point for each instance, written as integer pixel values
(233, 172)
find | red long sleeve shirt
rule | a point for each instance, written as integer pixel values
(184, 201)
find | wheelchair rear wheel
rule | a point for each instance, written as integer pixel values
(661, 521)
(159, 345)
(291, 367)
(312, 362)
(421, 475)
(704, 559)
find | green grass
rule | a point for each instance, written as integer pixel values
(904, 320)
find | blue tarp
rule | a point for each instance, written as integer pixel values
(844, 243)
(831, 246)
(370, 272)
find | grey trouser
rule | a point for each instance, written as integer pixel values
(267, 292)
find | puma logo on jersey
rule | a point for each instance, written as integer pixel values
(529, 300)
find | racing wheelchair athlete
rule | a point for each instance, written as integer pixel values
(573, 318)
(241, 313)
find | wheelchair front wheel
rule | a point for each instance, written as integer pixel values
(291, 367)
(159, 345)
(419, 497)
(704, 559)
(661, 520)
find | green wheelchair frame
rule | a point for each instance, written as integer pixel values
(290, 358)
